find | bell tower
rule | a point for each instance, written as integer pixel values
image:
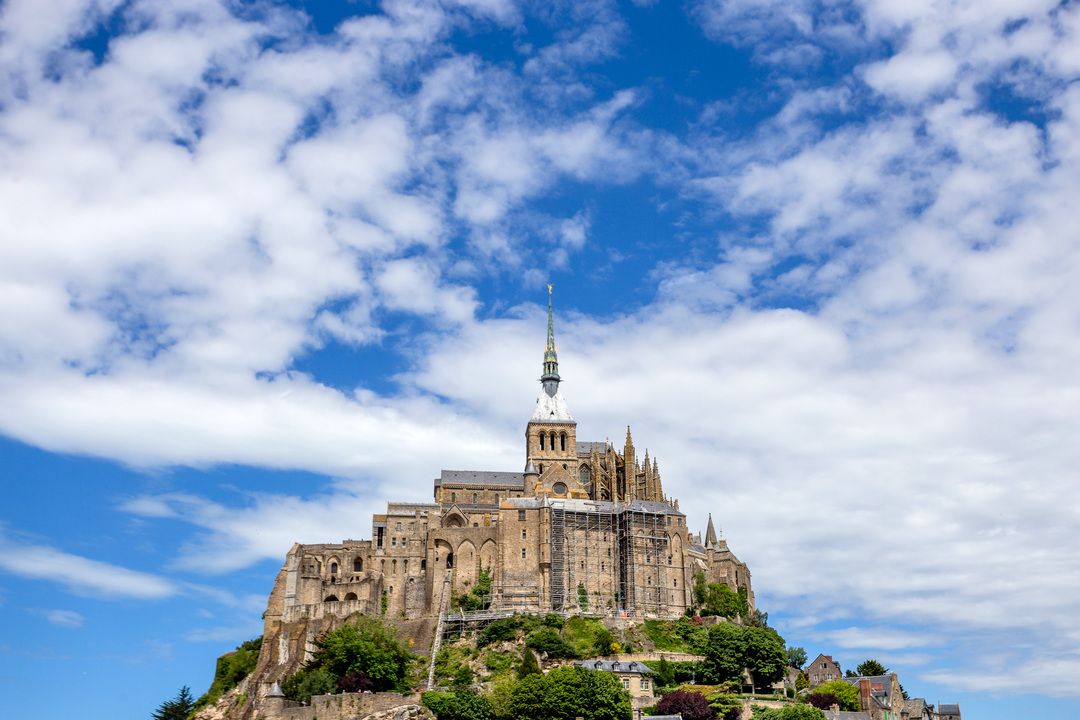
(551, 435)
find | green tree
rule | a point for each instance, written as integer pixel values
(548, 640)
(176, 709)
(665, 674)
(801, 681)
(460, 705)
(582, 597)
(871, 668)
(763, 655)
(846, 693)
(727, 707)
(796, 656)
(569, 692)
(300, 686)
(529, 664)
(367, 647)
(724, 654)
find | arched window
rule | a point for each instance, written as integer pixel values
(351, 597)
(541, 441)
(357, 565)
(333, 568)
(453, 497)
(474, 498)
(585, 475)
(449, 560)
(331, 598)
(393, 567)
(551, 437)
(562, 441)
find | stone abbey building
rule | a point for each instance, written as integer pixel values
(585, 527)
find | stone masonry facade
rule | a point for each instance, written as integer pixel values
(585, 527)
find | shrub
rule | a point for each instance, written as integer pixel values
(547, 640)
(529, 664)
(691, 705)
(302, 685)
(230, 670)
(479, 597)
(499, 631)
(844, 693)
(461, 705)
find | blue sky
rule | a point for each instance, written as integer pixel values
(264, 266)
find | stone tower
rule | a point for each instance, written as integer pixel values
(551, 433)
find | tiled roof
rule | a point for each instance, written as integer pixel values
(514, 480)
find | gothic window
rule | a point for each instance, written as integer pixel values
(551, 437)
(393, 567)
(585, 475)
(562, 441)
(357, 565)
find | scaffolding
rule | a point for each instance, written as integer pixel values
(558, 559)
(643, 541)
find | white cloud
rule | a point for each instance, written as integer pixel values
(79, 574)
(63, 618)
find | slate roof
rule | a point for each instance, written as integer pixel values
(950, 709)
(478, 478)
(616, 666)
(585, 448)
(846, 715)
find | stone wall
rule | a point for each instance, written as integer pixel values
(345, 706)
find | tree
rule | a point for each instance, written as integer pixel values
(548, 640)
(871, 668)
(369, 648)
(796, 657)
(665, 674)
(763, 655)
(301, 685)
(460, 705)
(789, 712)
(822, 701)
(479, 597)
(529, 664)
(844, 692)
(723, 654)
(570, 692)
(691, 705)
(178, 708)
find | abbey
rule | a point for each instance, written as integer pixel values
(585, 527)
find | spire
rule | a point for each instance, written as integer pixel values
(710, 534)
(550, 378)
